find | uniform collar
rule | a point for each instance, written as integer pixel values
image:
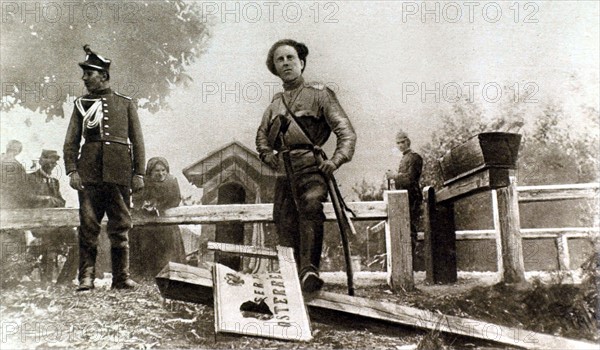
(406, 152)
(102, 92)
(293, 85)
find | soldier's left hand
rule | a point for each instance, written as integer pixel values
(137, 183)
(327, 167)
(389, 174)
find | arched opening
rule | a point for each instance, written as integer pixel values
(230, 193)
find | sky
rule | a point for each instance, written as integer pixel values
(384, 60)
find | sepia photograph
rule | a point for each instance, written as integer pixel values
(185, 174)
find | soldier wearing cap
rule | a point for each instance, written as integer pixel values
(109, 165)
(407, 178)
(43, 191)
(298, 204)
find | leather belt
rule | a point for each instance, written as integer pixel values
(107, 138)
(301, 146)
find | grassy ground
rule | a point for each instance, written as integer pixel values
(36, 316)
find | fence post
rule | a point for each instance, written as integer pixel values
(439, 248)
(562, 246)
(510, 233)
(398, 241)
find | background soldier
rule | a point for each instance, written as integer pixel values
(12, 185)
(13, 177)
(407, 178)
(298, 207)
(43, 191)
(106, 169)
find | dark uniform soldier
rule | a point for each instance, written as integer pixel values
(111, 163)
(407, 178)
(43, 191)
(299, 197)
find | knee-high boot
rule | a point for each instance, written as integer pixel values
(311, 244)
(120, 269)
(87, 267)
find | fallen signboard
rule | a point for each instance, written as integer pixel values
(266, 305)
(340, 304)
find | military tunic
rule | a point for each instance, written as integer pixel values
(409, 174)
(319, 113)
(40, 186)
(112, 153)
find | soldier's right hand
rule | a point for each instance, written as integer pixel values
(75, 181)
(272, 160)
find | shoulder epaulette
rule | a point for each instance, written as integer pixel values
(126, 97)
(276, 96)
(315, 85)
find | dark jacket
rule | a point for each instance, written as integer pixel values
(40, 186)
(320, 113)
(114, 150)
(409, 174)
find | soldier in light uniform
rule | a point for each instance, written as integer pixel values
(110, 163)
(319, 113)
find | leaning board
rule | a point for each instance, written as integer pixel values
(265, 305)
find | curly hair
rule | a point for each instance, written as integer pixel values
(300, 48)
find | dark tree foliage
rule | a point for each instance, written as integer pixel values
(149, 42)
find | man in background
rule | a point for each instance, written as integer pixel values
(43, 191)
(407, 178)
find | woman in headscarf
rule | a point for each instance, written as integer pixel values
(152, 247)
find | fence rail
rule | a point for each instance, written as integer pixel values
(530, 194)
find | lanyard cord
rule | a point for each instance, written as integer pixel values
(93, 116)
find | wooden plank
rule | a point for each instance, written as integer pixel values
(185, 283)
(510, 234)
(439, 240)
(398, 242)
(199, 214)
(243, 250)
(529, 194)
(532, 233)
(405, 315)
(338, 304)
(484, 180)
(380, 226)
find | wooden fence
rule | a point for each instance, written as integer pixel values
(529, 194)
(393, 209)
